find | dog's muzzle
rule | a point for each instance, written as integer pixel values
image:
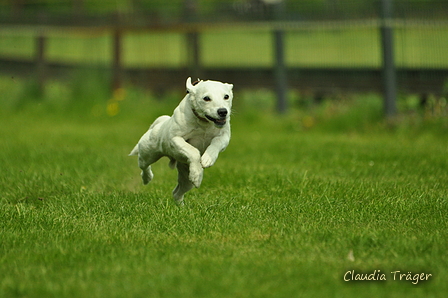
(220, 122)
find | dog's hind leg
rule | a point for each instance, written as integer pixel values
(144, 163)
(147, 175)
(172, 164)
(183, 183)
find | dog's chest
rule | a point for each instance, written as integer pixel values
(200, 138)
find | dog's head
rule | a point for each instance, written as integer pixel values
(211, 100)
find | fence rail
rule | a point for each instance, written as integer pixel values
(315, 81)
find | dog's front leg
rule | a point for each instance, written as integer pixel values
(186, 153)
(217, 145)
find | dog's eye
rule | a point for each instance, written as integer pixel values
(226, 96)
(206, 98)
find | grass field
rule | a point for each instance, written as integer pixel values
(416, 47)
(287, 210)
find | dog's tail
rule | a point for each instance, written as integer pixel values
(134, 151)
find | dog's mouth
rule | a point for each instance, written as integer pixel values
(218, 122)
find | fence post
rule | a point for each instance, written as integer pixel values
(194, 54)
(116, 62)
(281, 84)
(193, 40)
(389, 70)
(41, 68)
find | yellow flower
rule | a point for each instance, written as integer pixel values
(112, 108)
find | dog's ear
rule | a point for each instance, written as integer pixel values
(191, 86)
(230, 86)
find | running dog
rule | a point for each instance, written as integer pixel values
(191, 138)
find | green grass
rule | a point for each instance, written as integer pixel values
(277, 216)
(415, 47)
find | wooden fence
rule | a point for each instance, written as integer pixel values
(319, 81)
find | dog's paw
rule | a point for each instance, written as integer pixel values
(147, 176)
(196, 174)
(179, 203)
(196, 180)
(207, 160)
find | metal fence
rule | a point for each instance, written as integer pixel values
(313, 46)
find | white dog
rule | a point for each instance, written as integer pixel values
(192, 138)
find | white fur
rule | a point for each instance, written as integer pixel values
(191, 138)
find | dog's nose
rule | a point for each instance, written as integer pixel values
(222, 112)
